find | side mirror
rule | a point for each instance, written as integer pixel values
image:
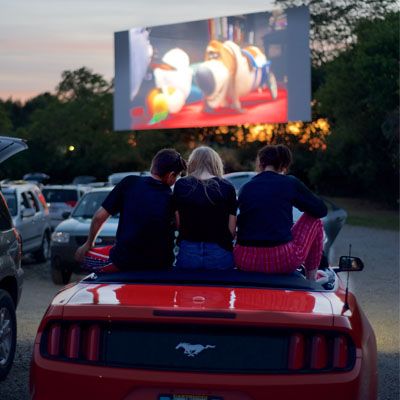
(28, 212)
(347, 263)
(66, 214)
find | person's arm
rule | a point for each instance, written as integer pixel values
(99, 218)
(232, 208)
(177, 220)
(305, 200)
(232, 224)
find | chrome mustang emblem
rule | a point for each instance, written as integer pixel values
(192, 350)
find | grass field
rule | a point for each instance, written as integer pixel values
(366, 213)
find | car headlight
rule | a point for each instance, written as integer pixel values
(60, 237)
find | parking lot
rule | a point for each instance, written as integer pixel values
(377, 290)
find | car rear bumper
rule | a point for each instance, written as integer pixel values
(102, 382)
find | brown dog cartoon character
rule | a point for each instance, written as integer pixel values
(230, 72)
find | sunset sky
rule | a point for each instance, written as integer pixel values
(41, 38)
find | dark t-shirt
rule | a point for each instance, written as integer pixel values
(145, 235)
(204, 208)
(266, 203)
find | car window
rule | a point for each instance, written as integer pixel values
(5, 219)
(34, 201)
(25, 203)
(89, 204)
(60, 195)
(11, 200)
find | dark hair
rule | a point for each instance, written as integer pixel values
(167, 160)
(278, 156)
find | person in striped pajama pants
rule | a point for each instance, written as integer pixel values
(267, 240)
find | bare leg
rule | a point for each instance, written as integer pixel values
(311, 275)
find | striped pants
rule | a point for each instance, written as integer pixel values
(306, 247)
(97, 260)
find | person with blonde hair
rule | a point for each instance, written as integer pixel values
(205, 213)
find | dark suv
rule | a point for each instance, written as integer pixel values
(11, 274)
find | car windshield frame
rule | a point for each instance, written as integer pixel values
(210, 278)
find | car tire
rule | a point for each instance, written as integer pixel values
(43, 254)
(59, 275)
(8, 333)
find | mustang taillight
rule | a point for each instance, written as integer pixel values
(296, 351)
(73, 341)
(54, 340)
(318, 352)
(340, 352)
(93, 341)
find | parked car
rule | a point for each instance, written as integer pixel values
(333, 221)
(73, 232)
(11, 273)
(83, 180)
(31, 217)
(37, 178)
(116, 178)
(62, 198)
(205, 335)
(238, 179)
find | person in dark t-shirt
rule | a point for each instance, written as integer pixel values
(267, 240)
(205, 215)
(145, 234)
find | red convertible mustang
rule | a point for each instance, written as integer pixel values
(205, 335)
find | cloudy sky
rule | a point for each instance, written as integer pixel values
(41, 38)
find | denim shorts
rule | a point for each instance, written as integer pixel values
(207, 255)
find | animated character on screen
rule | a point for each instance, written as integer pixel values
(173, 81)
(230, 72)
(140, 55)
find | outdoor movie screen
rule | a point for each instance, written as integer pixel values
(250, 68)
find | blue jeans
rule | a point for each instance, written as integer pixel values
(207, 255)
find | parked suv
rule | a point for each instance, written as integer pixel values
(11, 273)
(31, 218)
(61, 199)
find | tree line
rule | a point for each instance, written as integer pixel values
(351, 148)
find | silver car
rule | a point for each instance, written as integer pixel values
(61, 199)
(117, 177)
(73, 232)
(31, 217)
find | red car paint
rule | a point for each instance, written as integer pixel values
(319, 312)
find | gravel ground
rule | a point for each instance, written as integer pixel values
(377, 290)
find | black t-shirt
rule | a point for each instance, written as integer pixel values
(204, 207)
(266, 203)
(145, 235)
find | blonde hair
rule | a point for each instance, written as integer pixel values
(205, 159)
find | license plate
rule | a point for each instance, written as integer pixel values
(187, 397)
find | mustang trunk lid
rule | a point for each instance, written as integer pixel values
(149, 302)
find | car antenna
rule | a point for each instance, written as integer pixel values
(346, 298)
